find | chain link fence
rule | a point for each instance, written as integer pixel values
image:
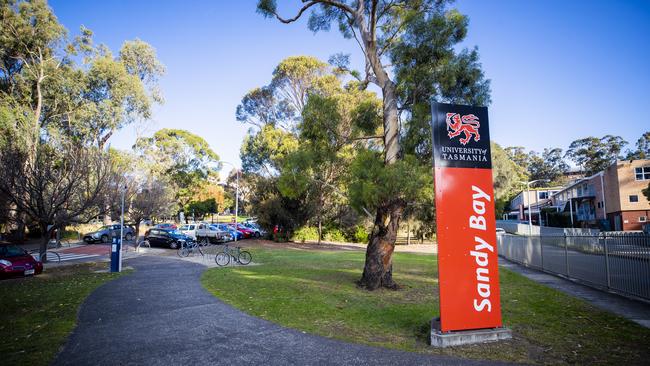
(615, 261)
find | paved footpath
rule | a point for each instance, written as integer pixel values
(161, 315)
(636, 311)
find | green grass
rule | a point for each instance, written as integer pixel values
(314, 291)
(38, 313)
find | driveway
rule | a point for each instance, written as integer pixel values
(161, 315)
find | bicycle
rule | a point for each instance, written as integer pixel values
(143, 244)
(48, 255)
(189, 248)
(240, 256)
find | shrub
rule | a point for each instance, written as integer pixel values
(333, 234)
(305, 233)
(360, 235)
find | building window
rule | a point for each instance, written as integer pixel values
(634, 198)
(642, 173)
(543, 195)
(643, 219)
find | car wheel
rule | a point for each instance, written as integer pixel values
(129, 237)
(104, 238)
(173, 245)
(257, 235)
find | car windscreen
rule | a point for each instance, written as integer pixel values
(175, 232)
(11, 251)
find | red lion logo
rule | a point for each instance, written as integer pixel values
(468, 124)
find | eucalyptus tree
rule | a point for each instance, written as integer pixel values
(595, 154)
(183, 158)
(409, 54)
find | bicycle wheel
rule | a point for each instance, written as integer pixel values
(244, 257)
(144, 244)
(222, 259)
(183, 252)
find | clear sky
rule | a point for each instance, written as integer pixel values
(560, 69)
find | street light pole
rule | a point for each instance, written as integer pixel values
(119, 268)
(236, 203)
(530, 221)
(236, 195)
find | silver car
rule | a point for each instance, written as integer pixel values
(106, 233)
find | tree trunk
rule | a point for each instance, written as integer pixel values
(137, 232)
(46, 240)
(320, 217)
(378, 270)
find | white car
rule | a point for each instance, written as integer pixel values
(189, 230)
(206, 233)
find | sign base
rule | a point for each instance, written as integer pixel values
(462, 337)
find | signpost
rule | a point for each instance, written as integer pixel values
(468, 273)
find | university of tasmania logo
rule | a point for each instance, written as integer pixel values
(467, 124)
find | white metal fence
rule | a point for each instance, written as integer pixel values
(615, 261)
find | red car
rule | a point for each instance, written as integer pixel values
(15, 261)
(246, 232)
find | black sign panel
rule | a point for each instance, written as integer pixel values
(461, 137)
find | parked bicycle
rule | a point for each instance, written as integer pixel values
(49, 256)
(143, 244)
(240, 256)
(188, 248)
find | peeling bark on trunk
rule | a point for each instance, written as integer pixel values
(378, 270)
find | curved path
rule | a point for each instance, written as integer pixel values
(161, 315)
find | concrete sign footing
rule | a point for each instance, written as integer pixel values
(462, 337)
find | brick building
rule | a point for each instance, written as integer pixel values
(611, 199)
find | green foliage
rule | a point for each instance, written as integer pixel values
(334, 234)
(185, 159)
(506, 174)
(360, 235)
(266, 150)
(642, 148)
(305, 233)
(201, 208)
(595, 154)
(372, 183)
(549, 166)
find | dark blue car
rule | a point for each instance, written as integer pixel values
(166, 238)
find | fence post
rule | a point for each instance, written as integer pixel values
(541, 249)
(566, 255)
(606, 261)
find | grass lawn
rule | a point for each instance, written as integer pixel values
(314, 291)
(38, 313)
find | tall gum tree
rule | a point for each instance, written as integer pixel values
(409, 48)
(375, 26)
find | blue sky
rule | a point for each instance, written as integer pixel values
(560, 70)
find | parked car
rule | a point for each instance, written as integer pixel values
(15, 261)
(233, 233)
(248, 233)
(166, 238)
(189, 230)
(210, 233)
(166, 226)
(257, 231)
(107, 232)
